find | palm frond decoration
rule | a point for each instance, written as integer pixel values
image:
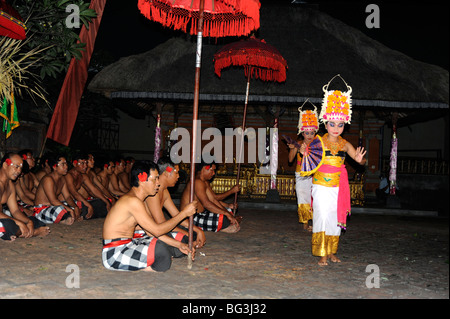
(16, 74)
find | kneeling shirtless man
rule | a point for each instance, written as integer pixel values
(132, 240)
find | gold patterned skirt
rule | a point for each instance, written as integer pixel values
(303, 186)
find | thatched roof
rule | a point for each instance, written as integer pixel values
(315, 46)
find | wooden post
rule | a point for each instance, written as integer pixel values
(194, 122)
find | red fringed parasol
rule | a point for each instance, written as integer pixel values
(260, 61)
(211, 18)
(11, 23)
(222, 18)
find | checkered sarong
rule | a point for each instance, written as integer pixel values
(128, 254)
(49, 214)
(23, 205)
(208, 221)
(139, 252)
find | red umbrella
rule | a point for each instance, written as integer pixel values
(260, 58)
(11, 23)
(260, 61)
(222, 18)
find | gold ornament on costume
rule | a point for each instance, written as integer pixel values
(335, 147)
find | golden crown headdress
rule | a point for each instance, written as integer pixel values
(308, 120)
(336, 105)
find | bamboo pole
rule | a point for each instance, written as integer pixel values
(241, 148)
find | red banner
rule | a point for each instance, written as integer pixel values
(66, 109)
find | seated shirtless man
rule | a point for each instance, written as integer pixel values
(115, 179)
(13, 222)
(29, 182)
(122, 250)
(212, 213)
(92, 175)
(168, 177)
(88, 197)
(44, 167)
(48, 208)
(104, 176)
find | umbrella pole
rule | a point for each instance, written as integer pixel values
(194, 123)
(242, 138)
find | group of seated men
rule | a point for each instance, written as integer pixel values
(131, 196)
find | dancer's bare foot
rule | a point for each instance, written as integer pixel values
(307, 227)
(68, 221)
(233, 228)
(41, 231)
(11, 239)
(323, 261)
(333, 258)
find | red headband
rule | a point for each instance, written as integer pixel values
(169, 169)
(24, 156)
(8, 161)
(208, 167)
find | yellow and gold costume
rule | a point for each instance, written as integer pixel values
(303, 185)
(325, 190)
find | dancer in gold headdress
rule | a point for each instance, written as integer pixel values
(308, 126)
(330, 190)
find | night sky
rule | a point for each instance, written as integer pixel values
(417, 30)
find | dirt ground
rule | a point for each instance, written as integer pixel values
(270, 258)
